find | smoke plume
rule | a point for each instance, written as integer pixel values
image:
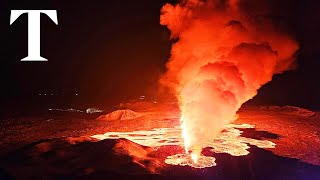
(222, 56)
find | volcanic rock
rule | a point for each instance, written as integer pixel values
(290, 110)
(57, 157)
(125, 114)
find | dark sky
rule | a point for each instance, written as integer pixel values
(107, 50)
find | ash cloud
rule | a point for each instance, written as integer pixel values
(223, 55)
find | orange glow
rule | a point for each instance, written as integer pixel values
(185, 135)
(194, 157)
(228, 141)
(195, 151)
(222, 57)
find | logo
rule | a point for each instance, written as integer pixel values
(34, 30)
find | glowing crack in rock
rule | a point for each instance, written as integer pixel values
(229, 141)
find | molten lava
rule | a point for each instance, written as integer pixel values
(223, 55)
(186, 160)
(228, 141)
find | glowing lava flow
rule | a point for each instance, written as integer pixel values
(185, 160)
(229, 141)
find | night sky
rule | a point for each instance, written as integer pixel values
(106, 51)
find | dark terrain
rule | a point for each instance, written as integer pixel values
(58, 145)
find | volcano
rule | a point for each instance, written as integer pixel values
(168, 89)
(264, 142)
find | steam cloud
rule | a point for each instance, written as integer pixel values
(222, 57)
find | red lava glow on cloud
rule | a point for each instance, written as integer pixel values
(222, 56)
